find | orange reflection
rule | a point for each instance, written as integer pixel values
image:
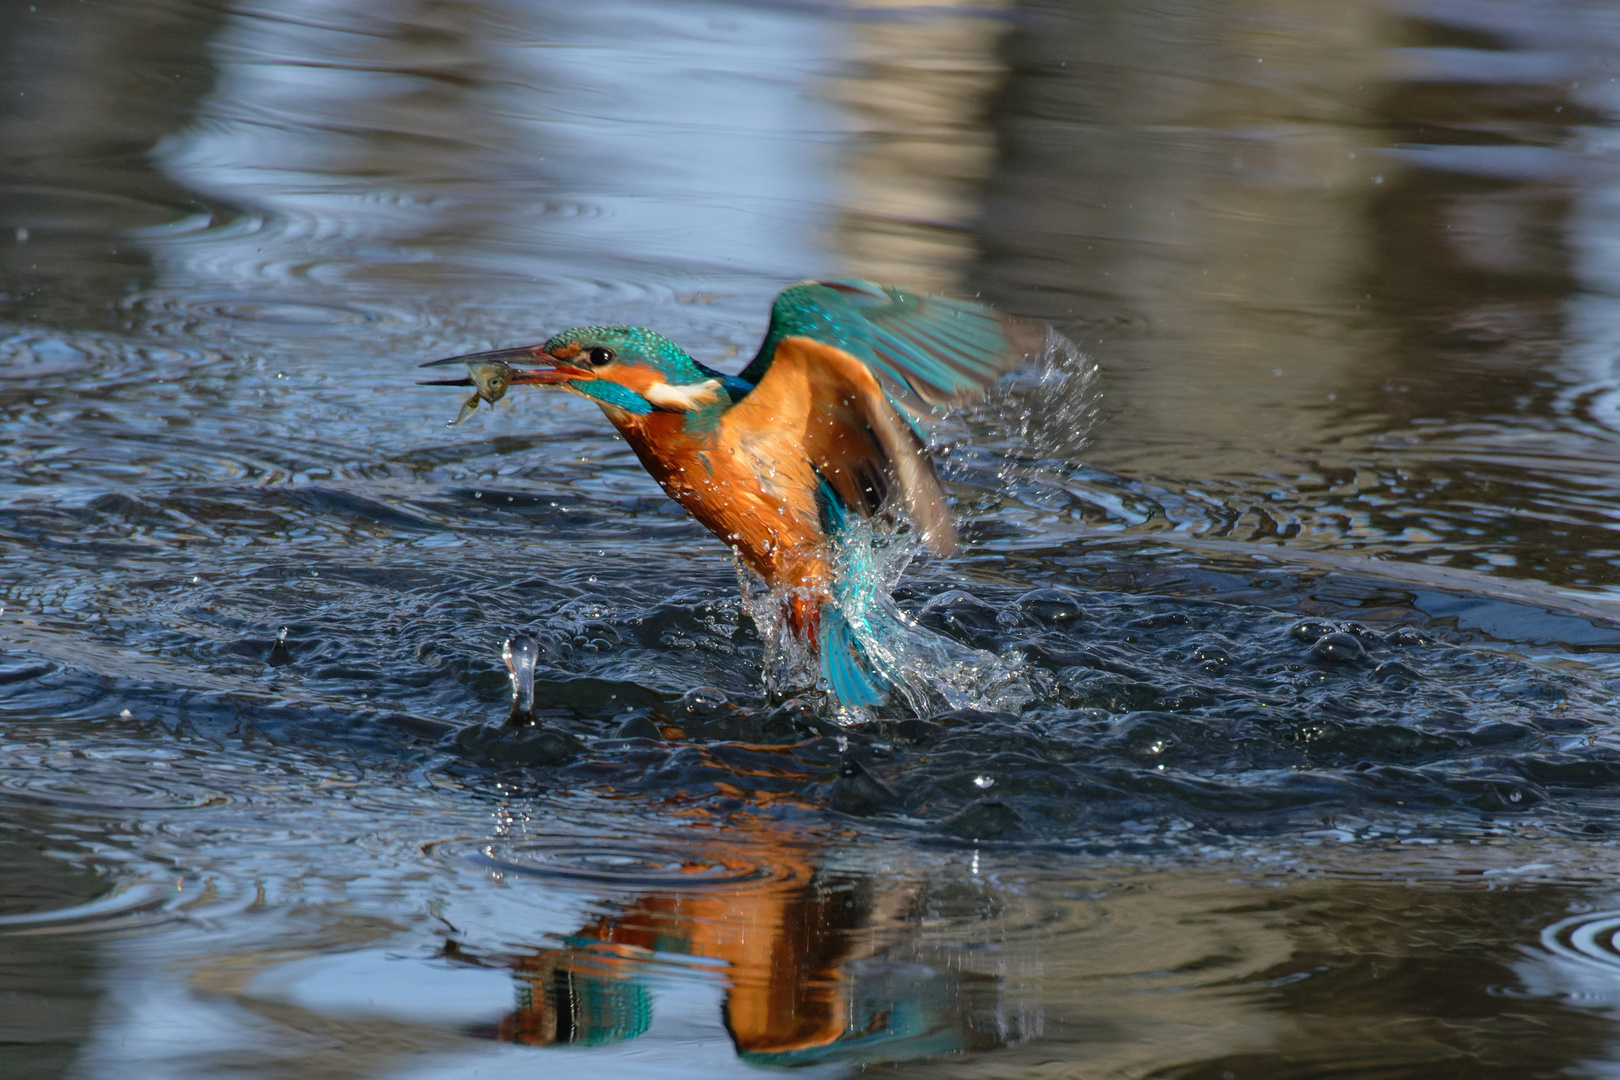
(789, 942)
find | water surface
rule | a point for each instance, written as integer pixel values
(1320, 773)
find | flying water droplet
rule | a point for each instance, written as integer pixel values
(520, 654)
(280, 654)
(984, 783)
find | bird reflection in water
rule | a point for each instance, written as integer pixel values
(820, 967)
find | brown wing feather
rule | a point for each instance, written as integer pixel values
(829, 402)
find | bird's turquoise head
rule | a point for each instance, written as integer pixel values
(625, 354)
(627, 370)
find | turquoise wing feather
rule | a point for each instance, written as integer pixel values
(926, 350)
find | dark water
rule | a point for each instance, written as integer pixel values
(1320, 775)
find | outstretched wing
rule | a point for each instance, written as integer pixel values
(826, 400)
(930, 350)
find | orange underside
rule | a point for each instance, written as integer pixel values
(757, 494)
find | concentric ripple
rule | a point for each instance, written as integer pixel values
(32, 359)
(1589, 938)
(91, 790)
(135, 904)
(254, 307)
(629, 865)
(69, 210)
(287, 312)
(128, 907)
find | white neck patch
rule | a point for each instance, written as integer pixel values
(683, 398)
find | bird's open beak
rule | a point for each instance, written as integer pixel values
(493, 372)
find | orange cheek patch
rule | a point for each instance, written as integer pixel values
(639, 379)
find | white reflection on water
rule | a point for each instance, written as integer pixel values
(685, 1041)
(1569, 51)
(1592, 314)
(378, 982)
(538, 139)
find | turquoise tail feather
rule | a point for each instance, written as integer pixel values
(848, 670)
(845, 666)
(871, 654)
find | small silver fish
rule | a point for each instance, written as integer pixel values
(491, 378)
(493, 373)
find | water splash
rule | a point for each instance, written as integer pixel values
(788, 664)
(1044, 411)
(929, 672)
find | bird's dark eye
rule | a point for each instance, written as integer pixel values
(600, 356)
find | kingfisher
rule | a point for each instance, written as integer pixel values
(821, 429)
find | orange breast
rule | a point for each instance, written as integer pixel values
(757, 493)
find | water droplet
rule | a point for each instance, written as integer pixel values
(520, 654)
(280, 654)
(984, 783)
(704, 701)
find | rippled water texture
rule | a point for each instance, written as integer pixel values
(1313, 607)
